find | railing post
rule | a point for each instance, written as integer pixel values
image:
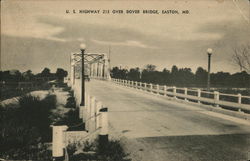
(145, 86)
(157, 89)
(103, 135)
(136, 84)
(174, 91)
(132, 84)
(98, 107)
(239, 102)
(165, 90)
(185, 92)
(199, 95)
(151, 88)
(92, 114)
(216, 98)
(87, 113)
(58, 141)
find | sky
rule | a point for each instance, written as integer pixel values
(38, 34)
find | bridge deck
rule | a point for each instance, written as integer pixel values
(158, 129)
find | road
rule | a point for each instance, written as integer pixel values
(156, 129)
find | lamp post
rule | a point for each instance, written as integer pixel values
(83, 47)
(209, 53)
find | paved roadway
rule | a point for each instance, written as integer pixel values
(156, 129)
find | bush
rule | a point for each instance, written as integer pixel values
(22, 129)
(72, 120)
(71, 102)
(113, 152)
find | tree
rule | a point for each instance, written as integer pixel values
(134, 74)
(28, 75)
(201, 76)
(241, 57)
(61, 73)
(150, 68)
(174, 75)
(46, 72)
(119, 73)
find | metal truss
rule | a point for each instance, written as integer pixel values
(89, 58)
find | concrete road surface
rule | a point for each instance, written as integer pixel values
(156, 129)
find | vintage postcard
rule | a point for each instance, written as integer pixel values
(137, 80)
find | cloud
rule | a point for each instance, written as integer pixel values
(33, 30)
(131, 43)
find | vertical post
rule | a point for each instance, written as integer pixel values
(199, 95)
(103, 69)
(72, 64)
(58, 142)
(93, 70)
(98, 115)
(216, 98)
(208, 73)
(145, 86)
(90, 70)
(106, 66)
(151, 87)
(174, 92)
(97, 70)
(132, 84)
(136, 85)
(239, 102)
(185, 92)
(92, 114)
(83, 81)
(103, 135)
(209, 53)
(87, 113)
(165, 90)
(157, 89)
(81, 108)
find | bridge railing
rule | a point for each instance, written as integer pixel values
(234, 102)
(94, 116)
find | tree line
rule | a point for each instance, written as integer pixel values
(17, 76)
(182, 77)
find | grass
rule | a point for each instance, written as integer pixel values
(71, 118)
(9, 92)
(24, 131)
(113, 151)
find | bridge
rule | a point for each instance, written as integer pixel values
(164, 124)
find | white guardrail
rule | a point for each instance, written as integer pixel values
(196, 95)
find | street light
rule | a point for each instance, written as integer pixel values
(82, 48)
(209, 53)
